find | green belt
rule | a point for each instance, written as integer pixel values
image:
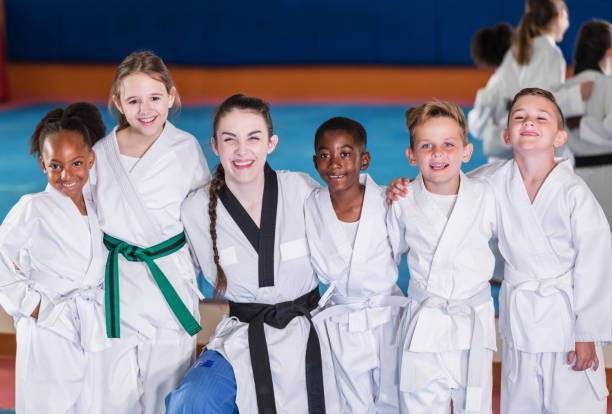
(137, 254)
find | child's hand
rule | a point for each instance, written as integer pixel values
(586, 88)
(35, 312)
(585, 356)
(398, 188)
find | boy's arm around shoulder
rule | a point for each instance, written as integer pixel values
(488, 208)
(490, 172)
(397, 219)
(592, 274)
(296, 185)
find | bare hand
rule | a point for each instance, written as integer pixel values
(35, 313)
(585, 356)
(586, 88)
(398, 188)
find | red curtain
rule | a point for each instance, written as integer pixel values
(3, 84)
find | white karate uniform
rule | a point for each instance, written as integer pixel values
(594, 136)
(59, 261)
(360, 317)
(141, 206)
(545, 70)
(450, 315)
(293, 277)
(557, 290)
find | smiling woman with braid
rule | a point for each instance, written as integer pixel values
(265, 356)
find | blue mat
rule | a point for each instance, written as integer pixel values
(294, 124)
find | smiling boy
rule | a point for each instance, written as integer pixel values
(447, 334)
(351, 254)
(556, 297)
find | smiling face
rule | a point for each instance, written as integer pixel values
(339, 160)
(66, 159)
(438, 151)
(533, 126)
(145, 103)
(242, 144)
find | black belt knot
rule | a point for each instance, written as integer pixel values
(279, 315)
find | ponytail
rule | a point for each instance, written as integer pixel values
(537, 18)
(521, 46)
(217, 182)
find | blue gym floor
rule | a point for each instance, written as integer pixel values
(294, 124)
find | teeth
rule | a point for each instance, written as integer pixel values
(336, 176)
(147, 120)
(242, 163)
(69, 184)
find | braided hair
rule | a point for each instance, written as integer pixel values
(238, 101)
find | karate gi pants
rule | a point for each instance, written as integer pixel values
(546, 384)
(444, 376)
(137, 377)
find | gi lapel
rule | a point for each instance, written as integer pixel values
(531, 234)
(371, 205)
(159, 153)
(261, 238)
(332, 228)
(96, 262)
(436, 220)
(457, 226)
(150, 227)
(73, 213)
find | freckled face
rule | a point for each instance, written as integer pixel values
(66, 159)
(339, 161)
(439, 152)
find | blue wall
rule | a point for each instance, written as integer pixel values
(243, 32)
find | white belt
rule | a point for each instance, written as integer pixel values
(342, 305)
(93, 294)
(516, 282)
(426, 299)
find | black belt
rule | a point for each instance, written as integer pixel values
(593, 160)
(278, 316)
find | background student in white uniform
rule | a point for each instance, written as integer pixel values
(486, 121)
(351, 254)
(248, 235)
(145, 169)
(447, 333)
(534, 60)
(590, 137)
(51, 270)
(556, 298)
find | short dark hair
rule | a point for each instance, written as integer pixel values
(489, 45)
(81, 117)
(340, 123)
